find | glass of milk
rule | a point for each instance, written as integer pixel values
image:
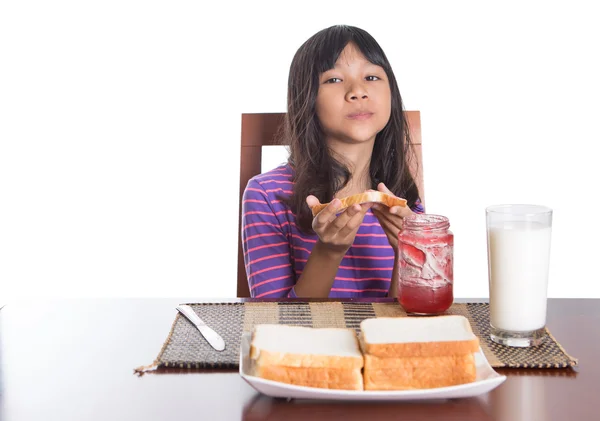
(518, 242)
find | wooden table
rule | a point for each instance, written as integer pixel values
(74, 360)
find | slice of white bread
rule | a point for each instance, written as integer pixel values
(296, 346)
(397, 337)
(328, 358)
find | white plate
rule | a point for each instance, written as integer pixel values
(486, 380)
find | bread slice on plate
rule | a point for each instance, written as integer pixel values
(405, 353)
(421, 373)
(314, 357)
(418, 336)
(330, 378)
(297, 346)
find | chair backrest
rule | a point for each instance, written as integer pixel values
(260, 130)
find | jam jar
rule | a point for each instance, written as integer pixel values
(425, 281)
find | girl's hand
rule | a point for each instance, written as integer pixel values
(390, 219)
(336, 233)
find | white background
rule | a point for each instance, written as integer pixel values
(120, 130)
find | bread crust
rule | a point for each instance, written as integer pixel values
(335, 378)
(418, 372)
(422, 349)
(432, 375)
(374, 363)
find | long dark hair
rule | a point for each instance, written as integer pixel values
(316, 171)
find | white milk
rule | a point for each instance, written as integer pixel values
(519, 254)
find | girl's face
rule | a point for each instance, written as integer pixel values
(354, 99)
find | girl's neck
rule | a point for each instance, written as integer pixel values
(357, 158)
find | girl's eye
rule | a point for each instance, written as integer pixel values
(333, 80)
(372, 78)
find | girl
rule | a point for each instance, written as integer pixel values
(347, 134)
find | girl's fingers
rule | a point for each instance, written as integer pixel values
(352, 225)
(390, 228)
(341, 221)
(326, 215)
(312, 201)
(401, 211)
(383, 188)
(329, 225)
(392, 220)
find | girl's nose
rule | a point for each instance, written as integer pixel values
(356, 91)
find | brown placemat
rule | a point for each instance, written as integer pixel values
(186, 348)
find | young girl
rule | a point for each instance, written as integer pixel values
(347, 134)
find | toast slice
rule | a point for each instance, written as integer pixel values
(296, 346)
(398, 337)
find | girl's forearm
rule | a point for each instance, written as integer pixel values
(319, 273)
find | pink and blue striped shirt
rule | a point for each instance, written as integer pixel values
(276, 251)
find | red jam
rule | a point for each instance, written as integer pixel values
(425, 264)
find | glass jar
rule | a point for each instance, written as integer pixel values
(425, 264)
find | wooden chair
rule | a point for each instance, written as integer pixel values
(260, 130)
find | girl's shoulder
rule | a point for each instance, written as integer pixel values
(277, 180)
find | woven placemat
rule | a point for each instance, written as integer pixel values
(186, 348)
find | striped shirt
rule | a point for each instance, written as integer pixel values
(276, 251)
